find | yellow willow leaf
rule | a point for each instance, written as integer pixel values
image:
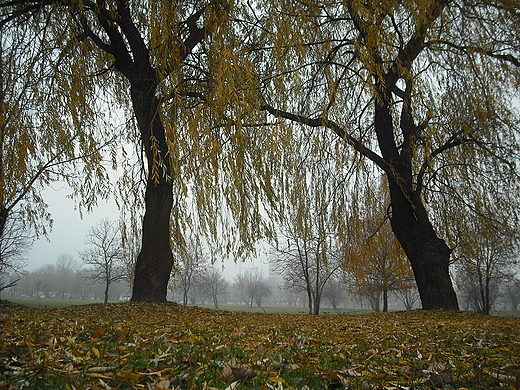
(101, 369)
(130, 375)
(98, 375)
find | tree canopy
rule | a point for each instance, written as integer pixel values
(39, 144)
(171, 67)
(219, 93)
(424, 90)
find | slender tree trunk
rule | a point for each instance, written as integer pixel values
(487, 300)
(107, 286)
(317, 304)
(3, 219)
(376, 297)
(309, 297)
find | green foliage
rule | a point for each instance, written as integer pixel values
(164, 345)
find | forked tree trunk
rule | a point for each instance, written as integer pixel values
(429, 255)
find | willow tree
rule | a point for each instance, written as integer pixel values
(424, 90)
(38, 145)
(165, 64)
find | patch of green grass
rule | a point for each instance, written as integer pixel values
(48, 303)
(268, 309)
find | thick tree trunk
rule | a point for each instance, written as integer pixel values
(376, 302)
(3, 220)
(317, 304)
(429, 255)
(155, 261)
(385, 300)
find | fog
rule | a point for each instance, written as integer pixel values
(70, 229)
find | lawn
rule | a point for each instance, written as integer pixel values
(51, 303)
(167, 346)
(48, 303)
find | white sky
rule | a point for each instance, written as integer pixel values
(69, 232)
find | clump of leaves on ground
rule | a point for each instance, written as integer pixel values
(168, 346)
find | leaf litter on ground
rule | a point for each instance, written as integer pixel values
(168, 346)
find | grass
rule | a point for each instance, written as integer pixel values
(52, 303)
(167, 346)
(48, 303)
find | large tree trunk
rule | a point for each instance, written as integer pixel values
(429, 255)
(155, 261)
(4, 213)
(385, 300)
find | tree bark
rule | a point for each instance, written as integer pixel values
(107, 286)
(429, 255)
(4, 213)
(385, 300)
(155, 261)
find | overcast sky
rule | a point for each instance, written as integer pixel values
(69, 232)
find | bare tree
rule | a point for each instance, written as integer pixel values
(252, 287)
(216, 282)
(192, 264)
(45, 281)
(512, 292)
(487, 256)
(15, 241)
(67, 269)
(105, 254)
(407, 296)
(308, 263)
(334, 292)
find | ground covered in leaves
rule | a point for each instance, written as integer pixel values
(167, 346)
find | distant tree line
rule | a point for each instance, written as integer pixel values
(67, 278)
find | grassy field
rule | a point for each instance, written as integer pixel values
(48, 303)
(51, 303)
(167, 346)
